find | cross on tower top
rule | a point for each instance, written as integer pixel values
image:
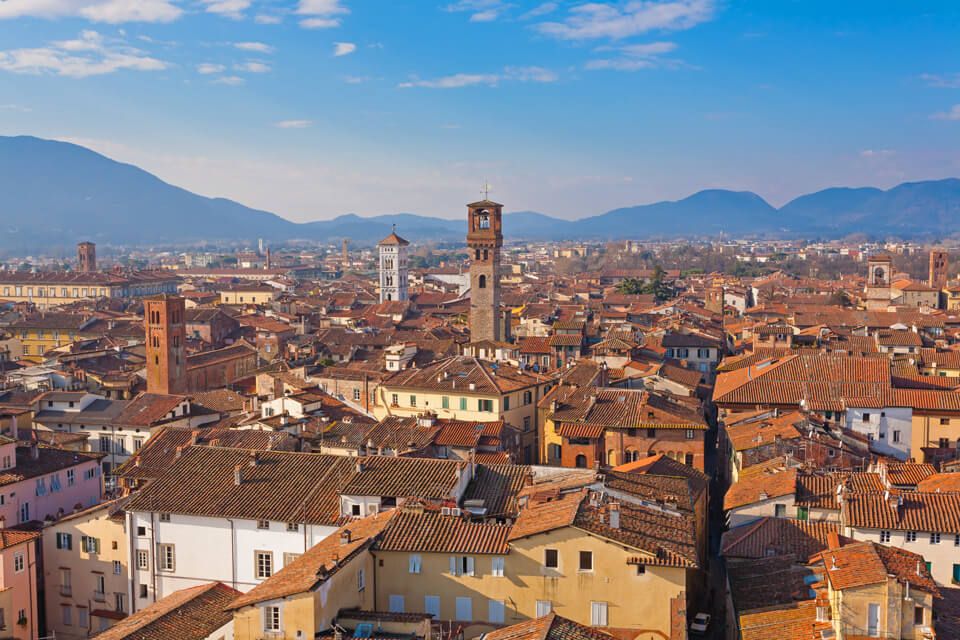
(485, 190)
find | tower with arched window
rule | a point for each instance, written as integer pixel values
(393, 267)
(484, 239)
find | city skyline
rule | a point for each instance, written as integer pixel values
(317, 108)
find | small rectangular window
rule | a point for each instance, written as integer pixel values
(414, 563)
(551, 559)
(586, 561)
(263, 524)
(496, 566)
(143, 559)
(263, 564)
(598, 614)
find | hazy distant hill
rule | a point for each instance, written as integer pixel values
(54, 193)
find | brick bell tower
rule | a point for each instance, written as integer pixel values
(484, 239)
(166, 350)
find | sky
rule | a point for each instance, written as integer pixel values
(316, 108)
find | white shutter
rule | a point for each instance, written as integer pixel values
(396, 604)
(496, 566)
(598, 614)
(414, 563)
(469, 566)
(453, 565)
(544, 607)
(431, 605)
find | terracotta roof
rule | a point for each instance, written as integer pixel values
(792, 621)
(908, 474)
(761, 486)
(751, 435)
(776, 537)
(499, 486)
(940, 483)
(457, 374)
(393, 240)
(908, 511)
(188, 614)
(319, 562)
(663, 465)
(13, 537)
(549, 627)
(148, 409)
(541, 516)
(865, 563)
(431, 532)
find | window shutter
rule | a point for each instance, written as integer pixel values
(453, 565)
(469, 566)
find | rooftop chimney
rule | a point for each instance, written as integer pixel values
(345, 536)
(176, 456)
(237, 472)
(614, 510)
(194, 436)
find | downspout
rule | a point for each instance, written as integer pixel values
(131, 564)
(373, 579)
(233, 554)
(155, 554)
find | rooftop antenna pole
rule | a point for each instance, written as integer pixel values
(485, 190)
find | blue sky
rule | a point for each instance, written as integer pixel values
(314, 108)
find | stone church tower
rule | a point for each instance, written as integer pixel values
(393, 267)
(879, 278)
(484, 239)
(163, 318)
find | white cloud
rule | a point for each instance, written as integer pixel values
(485, 16)
(110, 11)
(455, 81)
(15, 107)
(530, 74)
(230, 81)
(355, 79)
(941, 80)
(293, 124)
(258, 47)
(459, 80)
(208, 68)
(343, 48)
(252, 66)
(634, 57)
(952, 114)
(540, 10)
(264, 18)
(877, 153)
(320, 14)
(320, 23)
(88, 55)
(607, 20)
(480, 10)
(229, 8)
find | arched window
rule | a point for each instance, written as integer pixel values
(484, 221)
(388, 297)
(581, 461)
(482, 283)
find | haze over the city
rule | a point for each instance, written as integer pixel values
(317, 108)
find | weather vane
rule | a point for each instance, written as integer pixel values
(485, 190)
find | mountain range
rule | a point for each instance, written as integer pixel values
(55, 193)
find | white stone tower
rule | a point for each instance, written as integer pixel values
(393, 267)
